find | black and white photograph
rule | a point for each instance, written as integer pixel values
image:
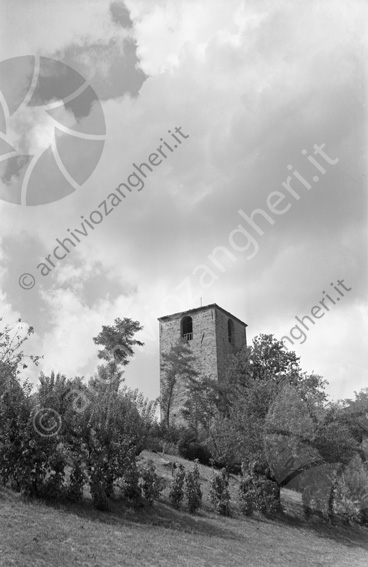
(183, 283)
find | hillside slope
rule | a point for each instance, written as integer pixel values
(39, 535)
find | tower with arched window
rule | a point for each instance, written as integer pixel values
(211, 332)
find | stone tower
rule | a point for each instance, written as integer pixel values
(211, 332)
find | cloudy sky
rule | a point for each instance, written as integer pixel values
(260, 207)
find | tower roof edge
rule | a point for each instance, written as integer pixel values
(203, 308)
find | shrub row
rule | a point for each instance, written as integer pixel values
(186, 484)
(51, 447)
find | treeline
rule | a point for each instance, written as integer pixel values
(275, 422)
(68, 435)
(269, 422)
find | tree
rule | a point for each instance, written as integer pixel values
(219, 492)
(237, 435)
(68, 433)
(11, 340)
(193, 489)
(32, 456)
(176, 494)
(106, 437)
(118, 341)
(16, 407)
(203, 399)
(178, 370)
(255, 378)
(354, 414)
(311, 446)
(15, 412)
(268, 360)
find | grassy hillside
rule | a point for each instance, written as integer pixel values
(39, 535)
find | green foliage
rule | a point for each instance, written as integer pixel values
(238, 435)
(170, 434)
(267, 497)
(268, 360)
(147, 418)
(176, 494)
(255, 376)
(193, 490)
(110, 433)
(77, 480)
(164, 439)
(130, 483)
(317, 486)
(15, 411)
(98, 493)
(219, 492)
(31, 462)
(290, 433)
(12, 359)
(257, 492)
(118, 335)
(39, 471)
(247, 493)
(351, 492)
(318, 447)
(178, 370)
(66, 434)
(199, 407)
(337, 491)
(191, 449)
(151, 483)
(269, 410)
(19, 462)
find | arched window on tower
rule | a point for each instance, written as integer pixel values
(230, 331)
(187, 328)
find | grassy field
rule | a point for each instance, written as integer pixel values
(33, 534)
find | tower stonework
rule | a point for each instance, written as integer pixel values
(212, 334)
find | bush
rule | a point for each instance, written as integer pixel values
(97, 484)
(63, 427)
(151, 483)
(317, 495)
(256, 492)
(155, 444)
(267, 497)
(247, 496)
(100, 500)
(219, 492)
(53, 486)
(77, 479)
(130, 485)
(191, 449)
(193, 490)
(351, 492)
(170, 434)
(37, 467)
(176, 494)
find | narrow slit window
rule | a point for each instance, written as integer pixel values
(230, 331)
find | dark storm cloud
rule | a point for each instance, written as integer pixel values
(120, 14)
(112, 68)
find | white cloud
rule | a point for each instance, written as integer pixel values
(46, 27)
(252, 84)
